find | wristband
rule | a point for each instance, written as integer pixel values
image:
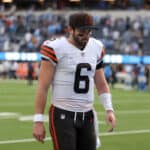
(106, 101)
(38, 118)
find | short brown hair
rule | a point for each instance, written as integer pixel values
(81, 20)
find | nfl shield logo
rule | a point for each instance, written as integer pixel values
(62, 116)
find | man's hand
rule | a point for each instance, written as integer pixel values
(110, 120)
(39, 131)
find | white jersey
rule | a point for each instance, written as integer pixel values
(73, 83)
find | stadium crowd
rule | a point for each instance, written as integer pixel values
(25, 33)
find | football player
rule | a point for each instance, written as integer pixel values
(72, 65)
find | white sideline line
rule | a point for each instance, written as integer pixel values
(129, 112)
(102, 134)
(126, 132)
(18, 141)
(21, 141)
(9, 115)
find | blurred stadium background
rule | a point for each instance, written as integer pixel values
(124, 27)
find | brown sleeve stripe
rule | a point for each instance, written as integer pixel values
(49, 55)
(49, 52)
(48, 49)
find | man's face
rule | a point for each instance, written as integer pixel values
(81, 36)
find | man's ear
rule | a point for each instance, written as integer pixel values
(70, 29)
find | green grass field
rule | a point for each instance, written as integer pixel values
(132, 110)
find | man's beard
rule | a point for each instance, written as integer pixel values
(79, 43)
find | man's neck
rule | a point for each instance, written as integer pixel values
(70, 39)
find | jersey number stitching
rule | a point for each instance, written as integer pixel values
(81, 78)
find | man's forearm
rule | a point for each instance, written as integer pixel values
(40, 103)
(40, 100)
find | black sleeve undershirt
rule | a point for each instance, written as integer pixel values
(100, 65)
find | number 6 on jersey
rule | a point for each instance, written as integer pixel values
(81, 78)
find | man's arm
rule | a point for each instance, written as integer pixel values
(100, 82)
(44, 81)
(45, 78)
(105, 96)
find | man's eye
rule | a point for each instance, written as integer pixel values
(80, 34)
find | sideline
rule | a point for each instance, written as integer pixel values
(102, 134)
(13, 115)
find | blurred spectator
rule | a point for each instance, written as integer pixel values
(141, 77)
(6, 69)
(30, 73)
(108, 73)
(147, 70)
(130, 76)
(136, 4)
(13, 69)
